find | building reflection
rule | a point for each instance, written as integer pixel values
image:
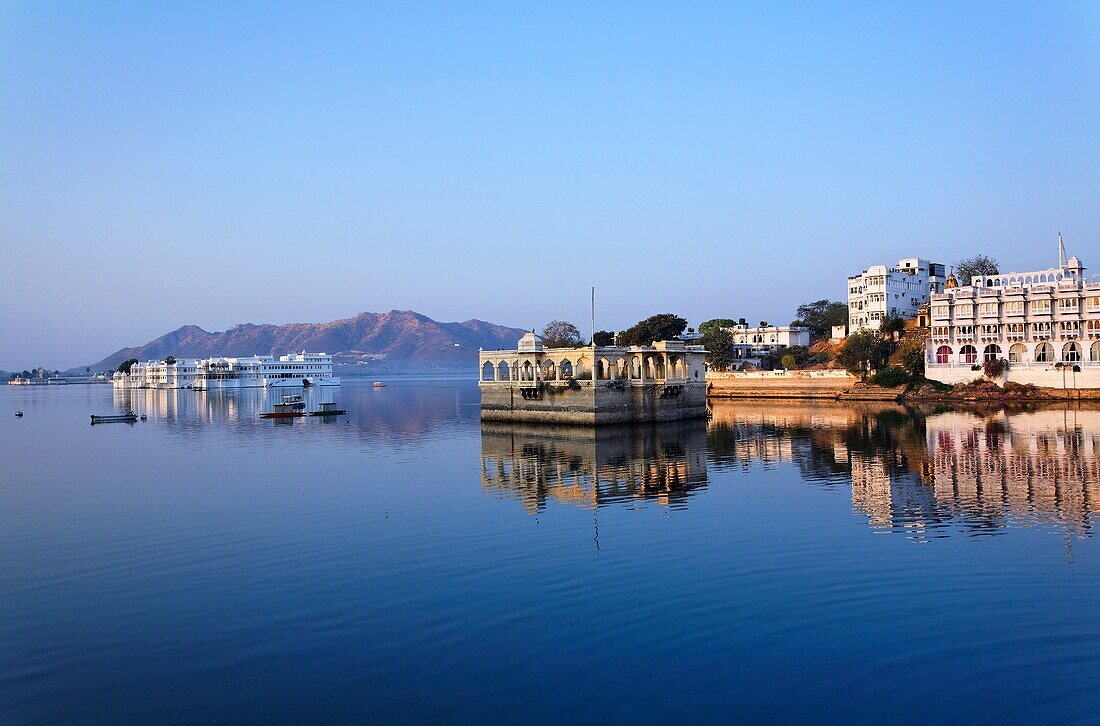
(919, 473)
(592, 467)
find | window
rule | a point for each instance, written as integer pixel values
(1014, 307)
(988, 309)
(1092, 328)
(964, 331)
(1067, 305)
(1044, 353)
(968, 354)
(991, 352)
(1094, 354)
(1040, 307)
(1092, 304)
(1014, 330)
(943, 355)
(1070, 328)
(1041, 330)
(1071, 353)
(940, 312)
(990, 331)
(943, 332)
(964, 311)
(1017, 353)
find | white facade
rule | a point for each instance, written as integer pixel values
(1046, 324)
(258, 371)
(879, 292)
(769, 336)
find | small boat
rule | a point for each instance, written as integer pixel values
(295, 402)
(115, 418)
(19, 414)
(286, 409)
(379, 384)
(328, 409)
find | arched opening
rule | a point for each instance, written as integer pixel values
(603, 370)
(527, 373)
(1044, 353)
(991, 352)
(1094, 352)
(968, 354)
(1071, 352)
(620, 368)
(566, 370)
(659, 365)
(650, 369)
(943, 354)
(549, 370)
(488, 372)
(581, 371)
(635, 367)
(1017, 353)
(503, 371)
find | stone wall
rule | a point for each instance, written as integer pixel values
(1043, 377)
(587, 404)
(780, 384)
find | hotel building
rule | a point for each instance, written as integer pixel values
(1045, 323)
(879, 292)
(258, 371)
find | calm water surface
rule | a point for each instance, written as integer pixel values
(405, 563)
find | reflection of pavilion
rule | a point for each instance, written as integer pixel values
(592, 466)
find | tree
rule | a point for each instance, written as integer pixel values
(560, 334)
(820, 316)
(170, 360)
(892, 326)
(716, 323)
(967, 268)
(603, 337)
(126, 365)
(864, 350)
(718, 341)
(665, 326)
(910, 355)
(788, 362)
(87, 369)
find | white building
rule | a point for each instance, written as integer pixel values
(258, 371)
(757, 345)
(1045, 323)
(880, 292)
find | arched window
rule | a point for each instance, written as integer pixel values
(566, 369)
(968, 354)
(1071, 353)
(991, 352)
(943, 354)
(503, 372)
(1017, 353)
(488, 372)
(1094, 352)
(1044, 353)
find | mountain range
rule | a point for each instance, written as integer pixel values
(397, 341)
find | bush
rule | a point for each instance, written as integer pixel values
(891, 377)
(788, 362)
(995, 368)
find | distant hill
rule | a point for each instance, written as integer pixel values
(397, 341)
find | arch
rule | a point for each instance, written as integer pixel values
(678, 367)
(603, 369)
(549, 370)
(1044, 353)
(1094, 352)
(527, 372)
(991, 352)
(566, 369)
(650, 368)
(1071, 352)
(635, 367)
(488, 371)
(503, 371)
(943, 354)
(581, 370)
(997, 282)
(1017, 353)
(968, 354)
(659, 366)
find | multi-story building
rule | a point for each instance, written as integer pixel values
(757, 345)
(1045, 323)
(879, 292)
(258, 371)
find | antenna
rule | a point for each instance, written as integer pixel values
(1061, 252)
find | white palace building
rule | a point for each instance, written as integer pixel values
(259, 371)
(1046, 324)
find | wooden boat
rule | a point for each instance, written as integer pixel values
(328, 409)
(115, 418)
(286, 409)
(19, 414)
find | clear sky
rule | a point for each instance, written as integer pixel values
(215, 163)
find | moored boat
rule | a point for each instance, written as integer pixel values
(286, 409)
(328, 409)
(379, 384)
(115, 418)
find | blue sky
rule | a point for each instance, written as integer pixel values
(216, 163)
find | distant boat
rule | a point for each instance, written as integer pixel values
(115, 418)
(328, 409)
(295, 402)
(19, 414)
(379, 384)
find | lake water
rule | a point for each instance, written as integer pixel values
(782, 561)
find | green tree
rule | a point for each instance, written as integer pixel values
(892, 326)
(170, 360)
(603, 337)
(665, 326)
(820, 316)
(126, 365)
(910, 355)
(863, 350)
(967, 268)
(788, 362)
(718, 343)
(716, 323)
(560, 334)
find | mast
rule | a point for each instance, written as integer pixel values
(593, 338)
(1061, 252)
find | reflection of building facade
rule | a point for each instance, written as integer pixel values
(1041, 322)
(258, 371)
(590, 466)
(593, 384)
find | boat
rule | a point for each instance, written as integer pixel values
(19, 414)
(379, 384)
(295, 402)
(286, 409)
(328, 409)
(115, 418)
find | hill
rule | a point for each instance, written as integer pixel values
(397, 341)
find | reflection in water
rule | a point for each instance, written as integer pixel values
(915, 474)
(592, 467)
